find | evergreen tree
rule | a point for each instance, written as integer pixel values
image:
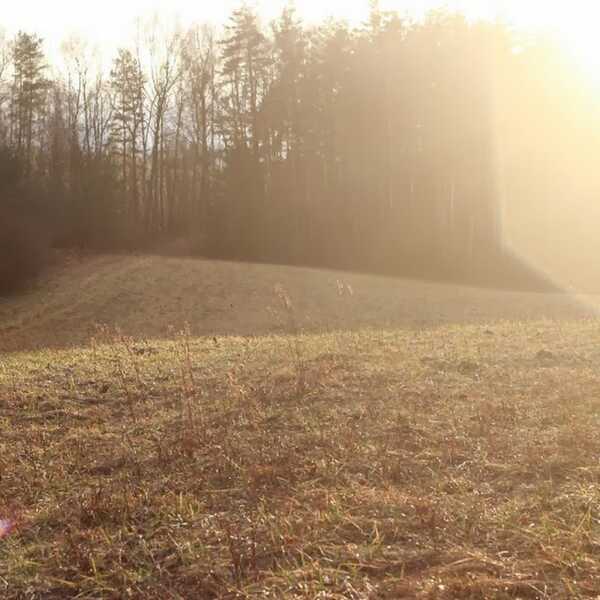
(29, 91)
(127, 83)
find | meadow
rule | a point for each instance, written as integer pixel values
(177, 428)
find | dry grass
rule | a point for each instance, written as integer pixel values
(453, 461)
(145, 296)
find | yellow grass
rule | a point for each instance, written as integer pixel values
(376, 439)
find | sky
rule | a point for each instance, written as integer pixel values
(111, 20)
(110, 23)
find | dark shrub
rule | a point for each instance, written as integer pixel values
(23, 251)
(24, 243)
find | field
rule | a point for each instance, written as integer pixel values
(175, 428)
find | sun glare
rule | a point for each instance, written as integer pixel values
(573, 24)
(583, 43)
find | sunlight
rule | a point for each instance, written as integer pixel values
(583, 42)
(290, 300)
(574, 24)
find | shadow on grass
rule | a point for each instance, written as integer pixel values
(151, 296)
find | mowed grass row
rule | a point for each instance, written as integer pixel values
(461, 461)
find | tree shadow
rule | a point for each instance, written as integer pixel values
(151, 297)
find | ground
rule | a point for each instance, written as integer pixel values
(175, 428)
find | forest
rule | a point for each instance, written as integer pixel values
(381, 148)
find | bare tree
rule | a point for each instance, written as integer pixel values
(199, 59)
(165, 71)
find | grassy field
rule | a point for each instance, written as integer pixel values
(189, 429)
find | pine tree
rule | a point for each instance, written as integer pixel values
(29, 91)
(245, 60)
(127, 83)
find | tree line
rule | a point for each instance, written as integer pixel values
(373, 148)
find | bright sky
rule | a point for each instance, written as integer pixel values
(109, 23)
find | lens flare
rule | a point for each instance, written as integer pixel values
(6, 527)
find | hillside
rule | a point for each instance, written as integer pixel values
(147, 296)
(412, 441)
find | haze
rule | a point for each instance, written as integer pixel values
(111, 23)
(292, 307)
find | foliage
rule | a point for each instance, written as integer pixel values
(23, 251)
(23, 239)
